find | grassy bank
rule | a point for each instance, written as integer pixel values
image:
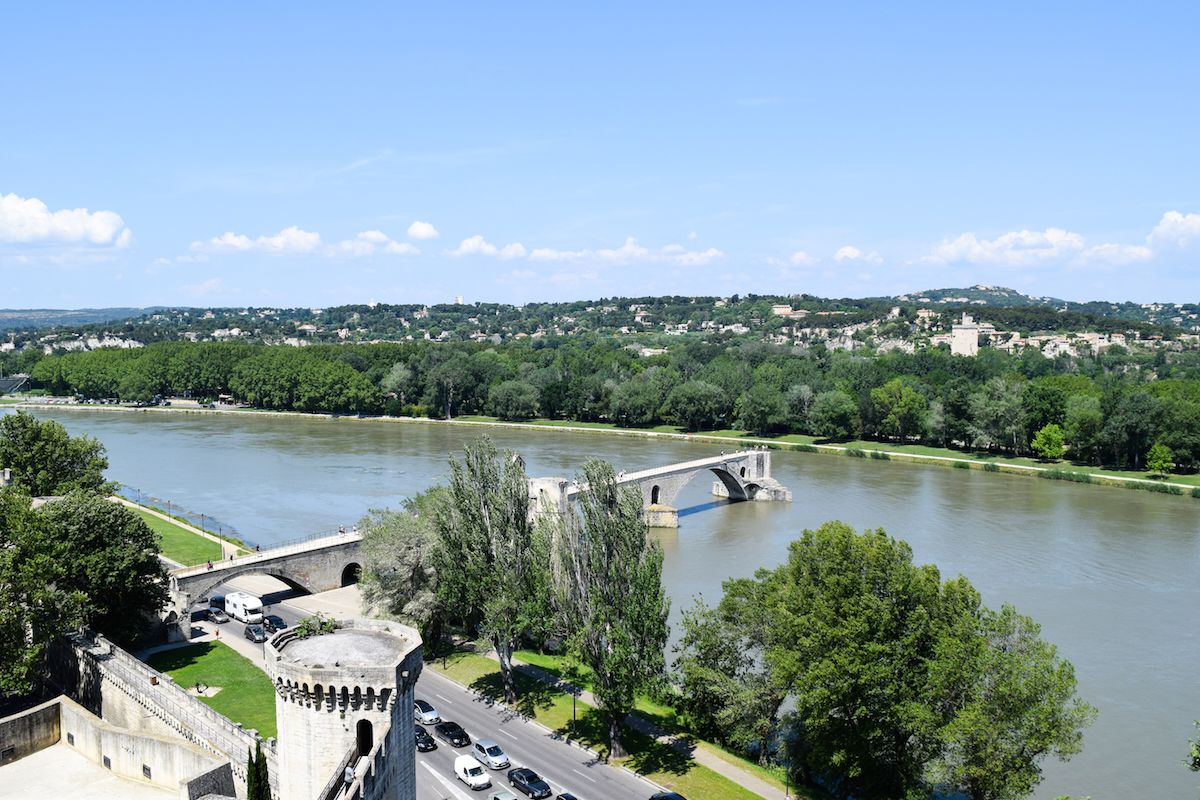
(246, 694)
(181, 545)
(658, 762)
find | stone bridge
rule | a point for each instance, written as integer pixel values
(314, 565)
(744, 475)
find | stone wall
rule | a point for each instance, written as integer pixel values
(125, 692)
(28, 732)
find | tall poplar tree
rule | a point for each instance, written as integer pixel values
(612, 594)
(489, 561)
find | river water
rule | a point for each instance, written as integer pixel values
(1112, 575)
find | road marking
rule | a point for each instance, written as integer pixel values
(443, 697)
(454, 790)
(580, 774)
(509, 735)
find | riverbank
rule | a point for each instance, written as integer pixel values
(181, 543)
(917, 454)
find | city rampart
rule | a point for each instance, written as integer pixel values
(126, 693)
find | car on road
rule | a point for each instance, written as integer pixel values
(667, 796)
(216, 615)
(526, 780)
(471, 772)
(425, 742)
(274, 623)
(491, 754)
(503, 794)
(255, 633)
(453, 733)
(425, 713)
(565, 796)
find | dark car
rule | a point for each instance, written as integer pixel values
(216, 615)
(667, 796)
(425, 742)
(453, 733)
(529, 782)
(566, 796)
(274, 623)
(255, 633)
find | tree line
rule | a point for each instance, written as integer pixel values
(1109, 409)
(850, 666)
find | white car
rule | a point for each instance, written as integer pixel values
(425, 714)
(490, 753)
(504, 795)
(471, 772)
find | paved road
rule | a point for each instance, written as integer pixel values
(565, 768)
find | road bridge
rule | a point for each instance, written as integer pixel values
(740, 476)
(313, 565)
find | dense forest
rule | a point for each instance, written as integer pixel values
(1108, 409)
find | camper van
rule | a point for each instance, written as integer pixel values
(244, 607)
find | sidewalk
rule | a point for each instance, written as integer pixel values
(700, 755)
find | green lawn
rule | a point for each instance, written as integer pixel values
(246, 694)
(658, 762)
(179, 544)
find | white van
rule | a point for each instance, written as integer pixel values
(244, 607)
(471, 772)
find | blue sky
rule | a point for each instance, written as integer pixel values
(271, 154)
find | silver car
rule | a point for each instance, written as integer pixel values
(488, 752)
(425, 714)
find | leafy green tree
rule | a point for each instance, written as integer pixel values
(1193, 760)
(1048, 443)
(35, 606)
(1130, 427)
(137, 384)
(399, 579)
(514, 400)
(1045, 404)
(252, 792)
(1081, 430)
(447, 382)
(490, 559)
(45, 461)
(612, 596)
(634, 402)
(799, 399)
(110, 556)
(1159, 458)
(761, 409)
(1018, 709)
(398, 381)
(998, 415)
(834, 415)
(696, 406)
(899, 408)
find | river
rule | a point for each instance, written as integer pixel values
(1112, 575)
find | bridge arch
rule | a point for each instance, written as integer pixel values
(351, 574)
(737, 488)
(654, 490)
(224, 576)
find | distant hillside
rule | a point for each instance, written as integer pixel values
(1170, 315)
(26, 318)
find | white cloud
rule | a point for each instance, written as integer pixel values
(1176, 229)
(851, 253)
(30, 221)
(422, 231)
(631, 252)
(1117, 254)
(478, 246)
(299, 242)
(204, 287)
(800, 259)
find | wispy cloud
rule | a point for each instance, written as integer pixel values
(296, 241)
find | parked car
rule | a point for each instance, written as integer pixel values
(274, 623)
(667, 796)
(255, 633)
(526, 780)
(216, 615)
(471, 772)
(425, 742)
(503, 794)
(453, 733)
(566, 796)
(425, 713)
(491, 754)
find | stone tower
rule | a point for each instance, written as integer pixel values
(345, 699)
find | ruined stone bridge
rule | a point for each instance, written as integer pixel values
(743, 475)
(313, 565)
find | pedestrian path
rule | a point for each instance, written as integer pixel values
(742, 777)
